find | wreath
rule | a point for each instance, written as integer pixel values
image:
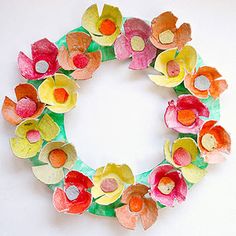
(53, 72)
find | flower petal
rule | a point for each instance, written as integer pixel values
(45, 91)
(214, 157)
(78, 179)
(90, 19)
(126, 218)
(47, 174)
(25, 126)
(93, 64)
(78, 41)
(192, 173)
(69, 149)
(141, 60)
(64, 59)
(9, 112)
(122, 48)
(26, 90)
(149, 213)
(48, 128)
(218, 87)
(22, 148)
(183, 35)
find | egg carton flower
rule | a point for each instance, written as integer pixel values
(184, 115)
(77, 58)
(43, 63)
(30, 135)
(27, 105)
(109, 182)
(135, 43)
(205, 82)
(182, 156)
(166, 35)
(104, 29)
(59, 93)
(55, 156)
(137, 205)
(74, 198)
(174, 66)
(213, 142)
(167, 185)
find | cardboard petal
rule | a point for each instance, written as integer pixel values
(93, 64)
(78, 179)
(126, 218)
(149, 213)
(78, 41)
(90, 19)
(137, 27)
(137, 189)
(69, 149)
(9, 112)
(22, 148)
(112, 12)
(25, 126)
(65, 60)
(47, 174)
(192, 173)
(141, 60)
(122, 48)
(45, 91)
(214, 157)
(26, 90)
(48, 128)
(218, 87)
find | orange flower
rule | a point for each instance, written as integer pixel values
(137, 205)
(213, 140)
(204, 82)
(165, 35)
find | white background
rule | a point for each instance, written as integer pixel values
(119, 118)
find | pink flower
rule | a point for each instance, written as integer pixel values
(135, 43)
(183, 116)
(167, 184)
(43, 63)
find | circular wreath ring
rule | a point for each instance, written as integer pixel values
(51, 91)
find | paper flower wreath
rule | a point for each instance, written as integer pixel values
(51, 90)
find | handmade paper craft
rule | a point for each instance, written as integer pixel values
(53, 75)
(77, 58)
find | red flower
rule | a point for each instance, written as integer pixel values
(43, 63)
(74, 199)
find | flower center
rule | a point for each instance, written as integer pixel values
(137, 43)
(57, 158)
(173, 68)
(80, 61)
(136, 204)
(109, 185)
(41, 66)
(26, 107)
(72, 192)
(166, 185)
(202, 83)
(209, 142)
(182, 157)
(107, 27)
(33, 136)
(186, 117)
(166, 37)
(60, 95)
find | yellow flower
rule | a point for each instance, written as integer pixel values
(174, 66)
(184, 152)
(104, 29)
(109, 182)
(30, 135)
(56, 156)
(59, 92)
